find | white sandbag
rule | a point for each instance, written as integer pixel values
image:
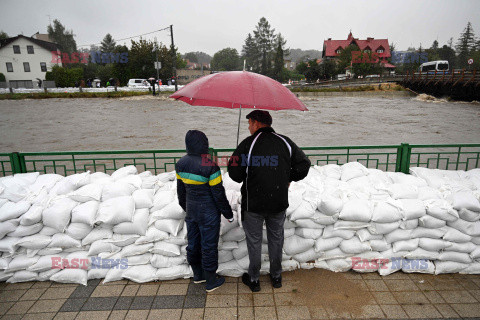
(44, 181)
(330, 205)
(100, 246)
(426, 193)
(306, 233)
(470, 228)
(454, 235)
(230, 245)
(379, 245)
(13, 210)
(241, 251)
(162, 199)
(433, 244)
(330, 232)
(403, 191)
(171, 226)
(89, 192)
(85, 212)
(149, 182)
(58, 215)
(22, 276)
(475, 254)
(97, 273)
(7, 227)
(354, 246)
(44, 263)
(45, 252)
(244, 262)
(431, 222)
(449, 267)
(224, 256)
(441, 209)
(402, 178)
(312, 224)
(123, 240)
(4, 261)
(466, 200)
(398, 235)
(138, 226)
(333, 171)
(140, 259)
(236, 234)
(421, 232)
(295, 244)
(171, 211)
(466, 247)
(167, 176)
(78, 230)
(409, 224)
(123, 172)
(353, 170)
(365, 235)
(306, 210)
(420, 253)
(62, 240)
(71, 183)
(175, 272)
(383, 228)
(116, 210)
(133, 180)
(143, 198)
(412, 208)
(418, 266)
(79, 276)
(473, 268)
(357, 210)
(114, 275)
(405, 245)
(135, 249)
(295, 198)
(21, 262)
(165, 249)
(161, 261)
(350, 225)
(339, 265)
(308, 256)
(387, 211)
(97, 234)
(469, 215)
(230, 269)
(32, 216)
(116, 190)
(141, 274)
(290, 265)
(36, 241)
(152, 235)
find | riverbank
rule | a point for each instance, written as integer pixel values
(69, 95)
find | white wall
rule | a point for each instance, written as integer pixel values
(40, 55)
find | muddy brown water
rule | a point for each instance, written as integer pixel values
(158, 123)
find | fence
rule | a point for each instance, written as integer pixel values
(397, 158)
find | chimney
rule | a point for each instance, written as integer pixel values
(369, 38)
(329, 38)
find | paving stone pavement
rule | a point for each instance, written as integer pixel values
(397, 296)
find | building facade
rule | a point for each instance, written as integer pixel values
(333, 48)
(25, 60)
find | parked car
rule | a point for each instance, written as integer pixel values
(137, 83)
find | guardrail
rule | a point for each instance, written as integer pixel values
(397, 158)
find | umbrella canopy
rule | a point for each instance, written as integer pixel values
(239, 89)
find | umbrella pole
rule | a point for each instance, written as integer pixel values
(238, 128)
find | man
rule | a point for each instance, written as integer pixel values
(266, 163)
(202, 197)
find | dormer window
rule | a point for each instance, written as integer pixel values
(339, 50)
(380, 51)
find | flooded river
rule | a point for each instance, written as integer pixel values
(158, 123)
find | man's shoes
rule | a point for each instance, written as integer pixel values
(276, 282)
(253, 285)
(213, 281)
(198, 276)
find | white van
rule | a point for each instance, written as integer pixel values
(138, 83)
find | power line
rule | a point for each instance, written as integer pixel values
(117, 40)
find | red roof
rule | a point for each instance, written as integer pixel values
(387, 65)
(331, 46)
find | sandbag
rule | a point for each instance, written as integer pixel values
(138, 226)
(58, 215)
(143, 198)
(171, 211)
(166, 249)
(89, 192)
(79, 276)
(356, 210)
(169, 225)
(175, 272)
(32, 216)
(141, 274)
(123, 172)
(116, 210)
(13, 210)
(295, 244)
(387, 211)
(78, 230)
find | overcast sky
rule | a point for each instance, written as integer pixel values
(211, 25)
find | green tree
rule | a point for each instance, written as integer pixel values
(251, 54)
(120, 70)
(344, 59)
(62, 37)
(3, 35)
(226, 60)
(108, 44)
(191, 56)
(2, 77)
(278, 62)
(447, 53)
(265, 38)
(465, 45)
(365, 68)
(64, 77)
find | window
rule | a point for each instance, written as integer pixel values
(30, 49)
(380, 51)
(16, 49)
(43, 66)
(338, 51)
(9, 67)
(26, 67)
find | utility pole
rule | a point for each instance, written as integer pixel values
(174, 59)
(156, 54)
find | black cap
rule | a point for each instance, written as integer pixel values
(260, 116)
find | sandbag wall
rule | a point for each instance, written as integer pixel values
(130, 226)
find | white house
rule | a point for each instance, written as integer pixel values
(24, 60)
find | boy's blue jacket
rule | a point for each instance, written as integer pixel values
(199, 181)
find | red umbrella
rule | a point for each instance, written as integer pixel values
(239, 89)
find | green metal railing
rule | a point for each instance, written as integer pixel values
(397, 158)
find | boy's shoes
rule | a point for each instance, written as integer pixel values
(253, 285)
(276, 282)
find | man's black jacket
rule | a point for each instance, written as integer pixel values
(274, 162)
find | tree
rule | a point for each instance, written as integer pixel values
(264, 38)
(365, 68)
(465, 45)
(251, 54)
(62, 37)
(108, 44)
(278, 62)
(447, 53)
(3, 35)
(191, 56)
(226, 60)
(345, 58)
(120, 70)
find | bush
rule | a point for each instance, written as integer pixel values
(2, 77)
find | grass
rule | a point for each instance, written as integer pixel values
(49, 95)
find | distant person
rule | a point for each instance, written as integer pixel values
(108, 83)
(266, 163)
(202, 196)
